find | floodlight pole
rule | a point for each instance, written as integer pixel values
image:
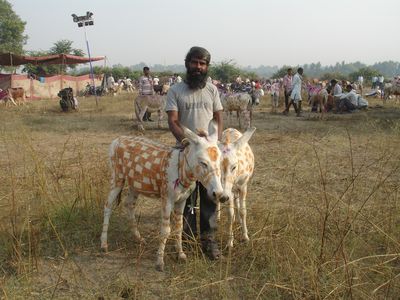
(84, 21)
(90, 64)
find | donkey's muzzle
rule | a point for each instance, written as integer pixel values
(221, 197)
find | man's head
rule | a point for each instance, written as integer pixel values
(349, 87)
(333, 82)
(146, 71)
(196, 62)
(300, 71)
(289, 71)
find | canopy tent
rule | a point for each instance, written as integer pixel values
(45, 87)
(10, 59)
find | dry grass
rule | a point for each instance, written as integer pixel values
(323, 210)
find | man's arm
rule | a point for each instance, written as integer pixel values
(217, 116)
(174, 126)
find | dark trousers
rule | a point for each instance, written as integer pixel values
(207, 213)
(346, 105)
(287, 95)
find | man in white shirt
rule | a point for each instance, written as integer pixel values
(350, 101)
(295, 95)
(111, 83)
(381, 81)
(374, 82)
(360, 81)
(336, 92)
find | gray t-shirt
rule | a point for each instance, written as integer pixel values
(195, 107)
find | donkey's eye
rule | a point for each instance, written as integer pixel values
(233, 168)
(203, 164)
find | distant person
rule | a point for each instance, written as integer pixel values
(146, 88)
(336, 93)
(111, 83)
(374, 82)
(360, 81)
(287, 89)
(381, 81)
(156, 80)
(295, 95)
(351, 101)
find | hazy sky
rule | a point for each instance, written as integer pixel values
(251, 32)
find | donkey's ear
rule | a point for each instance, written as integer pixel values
(190, 135)
(213, 131)
(244, 138)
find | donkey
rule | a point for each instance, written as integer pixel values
(150, 103)
(159, 171)
(239, 102)
(318, 98)
(237, 165)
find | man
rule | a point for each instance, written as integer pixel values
(336, 92)
(295, 95)
(287, 88)
(360, 81)
(146, 88)
(111, 83)
(193, 103)
(348, 101)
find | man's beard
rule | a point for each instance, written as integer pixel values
(196, 79)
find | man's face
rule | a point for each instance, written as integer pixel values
(198, 66)
(289, 72)
(196, 75)
(146, 72)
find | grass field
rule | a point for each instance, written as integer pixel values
(323, 210)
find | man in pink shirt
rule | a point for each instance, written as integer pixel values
(287, 88)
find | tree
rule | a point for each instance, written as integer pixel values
(65, 47)
(12, 38)
(366, 72)
(227, 71)
(282, 72)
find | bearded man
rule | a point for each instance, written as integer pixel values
(193, 103)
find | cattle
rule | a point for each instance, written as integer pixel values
(17, 94)
(170, 173)
(241, 103)
(6, 98)
(237, 166)
(150, 103)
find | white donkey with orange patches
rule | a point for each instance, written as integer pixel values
(159, 171)
(237, 165)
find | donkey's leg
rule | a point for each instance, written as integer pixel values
(178, 224)
(130, 204)
(165, 232)
(243, 211)
(160, 118)
(115, 191)
(231, 220)
(142, 111)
